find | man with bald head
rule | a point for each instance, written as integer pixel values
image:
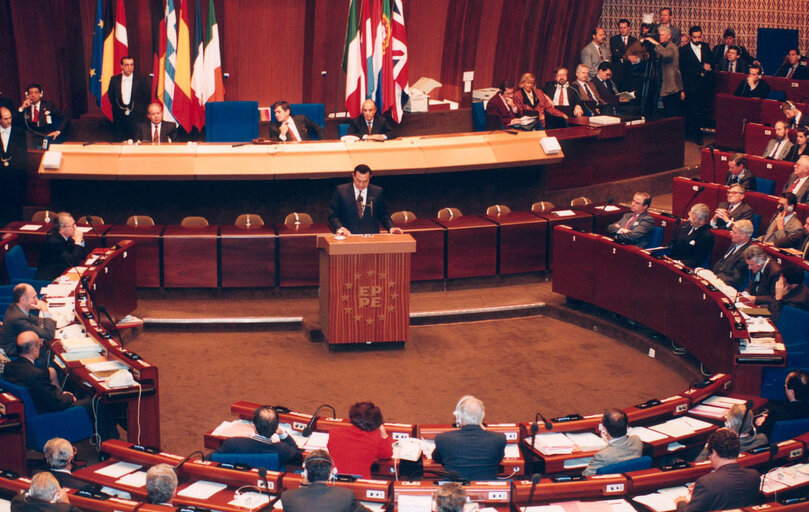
(471, 451)
(63, 248)
(620, 446)
(26, 313)
(13, 160)
(371, 125)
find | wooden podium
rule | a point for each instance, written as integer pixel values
(365, 288)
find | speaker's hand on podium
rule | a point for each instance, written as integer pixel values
(343, 231)
(396, 231)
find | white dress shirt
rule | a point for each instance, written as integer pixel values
(126, 89)
(5, 134)
(293, 128)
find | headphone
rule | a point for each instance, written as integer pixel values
(321, 459)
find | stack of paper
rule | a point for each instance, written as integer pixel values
(614, 505)
(408, 503)
(202, 489)
(81, 344)
(680, 427)
(587, 441)
(118, 469)
(317, 441)
(785, 477)
(715, 407)
(554, 443)
(236, 428)
(663, 499)
(646, 435)
(512, 451)
(57, 290)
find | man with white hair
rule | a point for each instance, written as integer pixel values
(693, 240)
(59, 455)
(44, 495)
(471, 451)
(731, 267)
(161, 482)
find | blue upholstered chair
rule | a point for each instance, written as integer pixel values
(772, 381)
(793, 324)
(268, 461)
(231, 121)
(756, 224)
(765, 186)
(6, 296)
(342, 129)
(657, 237)
(625, 466)
(479, 116)
(787, 429)
(19, 271)
(72, 424)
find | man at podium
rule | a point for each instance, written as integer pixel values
(358, 207)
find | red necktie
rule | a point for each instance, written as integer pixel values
(600, 56)
(35, 117)
(794, 186)
(292, 136)
(155, 134)
(791, 70)
(631, 221)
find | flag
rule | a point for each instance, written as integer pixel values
(158, 47)
(121, 43)
(166, 86)
(399, 54)
(352, 63)
(181, 103)
(212, 63)
(107, 66)
(385, 90)
(367, 42)
(197, 74)
(378, 39)
(98, 53)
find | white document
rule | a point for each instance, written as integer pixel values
(317, 441)
(564, 213)
(235, 428)
(81, 344)
(708, 411)
(118, 469)
(202, 489)
(428, 447)
(250, 500)
(107, 366)
(662, 500)
(58, 290)
(673, 428)
(136, 479)
(646, 435)
(544, 508)
(512, 451)
(722, 401)
(587, 441)
(408, 503)
(30, 227)
(576, 463)
(553, 444)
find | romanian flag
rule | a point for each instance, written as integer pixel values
(98, 53)
(181, 107)
(107, 66)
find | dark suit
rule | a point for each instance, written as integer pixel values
(729, 486)
(606, 89)
(573, 98)
(697, 85)
(803, 191)
(12, 175)
(46, 396)
(740, 212)
(800, 73)
(343, 210)
(797, 297)
(740, 67)
(24, 503)
(762, 284)
(16, 321)
(783, 411)
(319, 497)
(168, 132)
(126, 125)
(719, 53)
(744, 178)
(618, 48)
(70, 481)
(732, 268)
(640, 230)
(286, 448)
(471, 451)
(57, 255)
(795, 152)
(591, 104)
(48, 111)
(358, 127)
(743, 90)
(304, 125)
(691, 247)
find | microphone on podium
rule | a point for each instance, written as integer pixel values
(535, 478)
(307, 431)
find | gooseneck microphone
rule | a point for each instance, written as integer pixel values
(307, 431)
(89, 221)
(179, 466)
(535, 478)
(539, 416)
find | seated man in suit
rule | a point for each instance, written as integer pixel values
(370, 125)
(63, 248)
(591, 100)
(161, 482)
(729, 485)
(358, 207)
(604, 85)
(778, 147)
(693, 240)
(803, 246)
(731, 211)
(753, 86)
(733, 62)
(798, 181)
(450, 497)
(19, 318)
(502, 106)
(564, 97)
(620, 446)
(59, 454)
(473, 452)
(265, 419)
(765, 272)
(739, 173)
(792, 68)
(731, 267)
(790, 290)
(316, 495)
(156, 130)
(44, 495)
(289, 128)
(796, 406)
(635, 227)
(794, 115)
(47, 396)
(42, 118)
(728, 41)
(785, 230)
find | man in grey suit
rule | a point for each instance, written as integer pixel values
(596, 51)
(731, 267)
(798, 181)
(620, 446)
(20, 318)
(317, 496)
(778, 148)
(785, 230)
(731, 211)
(635, 227)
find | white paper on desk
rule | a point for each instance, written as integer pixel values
(512, 451)
(611, 208)
(694, 422)
(553, 443)
(78, 356)
(118, 469)
(675, 492)
(576, 463)
(673, 428)
(427, 447)
(106, 366)
(136, 479)
(656, 502)
(202, 489)
(409, 503)
(543, 508)
(81, 344)
(770, 486)
(30, 227)
(587, 441)
(790, 475)
(760, 324)
(375, 507)
(63, 316)
(317, 441)
(58, 290)
(646, 435)
(620, 505)
(564, 213)
(722, 401)
(250, 500)
(709, 411)
(235, 428)
(756, 349)
(118, 493)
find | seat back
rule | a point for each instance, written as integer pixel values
(625, 466)
(268, 461)
(43, 216)
(580, 201)
(140, 221)
(342, 129)
(94, 218)
(497, 210)
(403, 217)
(756, 224)
(542, 206)
(479, 116)
(298, 219)
(787, 429)
(314, 111)
(657, 237)
(449, 213)
(231, 121)
(17, 267)
(194, 222)
(793, 324)
(249, 220)
(765, 186)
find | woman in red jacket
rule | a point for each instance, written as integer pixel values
(354, 448)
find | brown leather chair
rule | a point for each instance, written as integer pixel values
(140, 221)
(249, 221)
(95, 218)
(497, 210)
(403, 217)
(298, 219)
(194, 222)
(542, 207)
(43, 216)
(580, 201)
(449, 213)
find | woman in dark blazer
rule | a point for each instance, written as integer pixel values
(800, 147)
